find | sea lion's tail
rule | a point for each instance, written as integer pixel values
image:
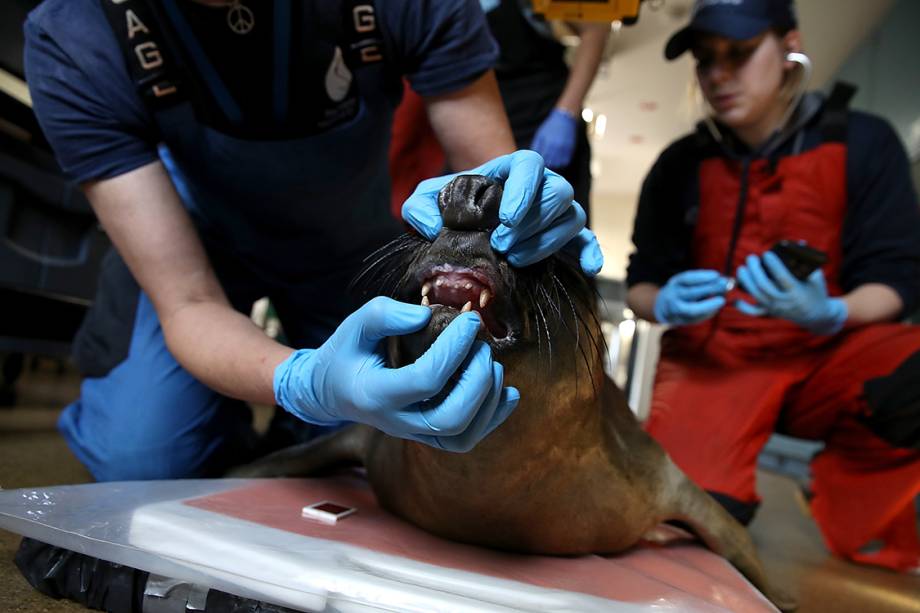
(720, 532)
(342, 447)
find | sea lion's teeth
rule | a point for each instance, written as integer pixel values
(426, 288)
(467, 307)
(484, 298)
(468, 285)
(425, 301)
(438, 282)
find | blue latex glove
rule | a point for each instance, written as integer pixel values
(803, 302)
(537, 214)
(555, 139)
(690, 297)
(347, 379)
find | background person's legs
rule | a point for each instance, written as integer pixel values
(714, 419)
(864, 487)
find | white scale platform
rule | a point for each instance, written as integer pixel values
(247, 537)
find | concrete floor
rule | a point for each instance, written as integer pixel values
(33, 454)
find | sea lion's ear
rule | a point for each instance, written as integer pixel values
(470, 203)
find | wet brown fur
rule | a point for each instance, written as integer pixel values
(570, 472)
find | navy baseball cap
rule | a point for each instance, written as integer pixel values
(735, 19)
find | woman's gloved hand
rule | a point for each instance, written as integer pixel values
(690, 297)
(347, 379)
(555, 138)
(780, 294)
(537, 214)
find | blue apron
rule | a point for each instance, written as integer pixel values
(288, 219)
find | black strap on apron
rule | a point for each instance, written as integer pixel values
(362, 40)
(833, 122)
(149, 61)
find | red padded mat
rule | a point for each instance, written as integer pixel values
(680, 572)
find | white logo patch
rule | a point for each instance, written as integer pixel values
(338, 77)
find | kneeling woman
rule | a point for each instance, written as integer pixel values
(820, 358)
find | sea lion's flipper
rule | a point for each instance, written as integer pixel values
(721, 532)
(342, 447)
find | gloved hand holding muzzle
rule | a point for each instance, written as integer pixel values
(537, 213)
(347, 379)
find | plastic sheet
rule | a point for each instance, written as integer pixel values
(247, 537)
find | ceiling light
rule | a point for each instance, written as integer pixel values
(587, 114)
(596, 168)
(600, 125)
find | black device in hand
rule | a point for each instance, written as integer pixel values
(799, 258)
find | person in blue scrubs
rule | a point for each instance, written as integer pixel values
(266, 175)
(543, 95)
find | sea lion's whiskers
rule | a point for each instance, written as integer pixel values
(400, 242)
(539, 315)
(549, 340)
(554, 304)
(577, 322)
(383, 255)
(394, 287)
(385, 252)
(557, 285)
(546, 299)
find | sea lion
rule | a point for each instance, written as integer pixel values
(571, 471)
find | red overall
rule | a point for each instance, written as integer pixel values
(723, 386)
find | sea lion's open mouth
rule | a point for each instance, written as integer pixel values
(464, 289)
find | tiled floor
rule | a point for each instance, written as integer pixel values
(33, 454)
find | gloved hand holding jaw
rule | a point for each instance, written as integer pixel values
(690, 297)
(780, 294)
(347, 379)
(537, 213)
(555, 138)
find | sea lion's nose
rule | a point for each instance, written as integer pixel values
(469, 203)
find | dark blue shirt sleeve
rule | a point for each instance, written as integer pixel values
(663, 229)
(84, 100)
(881, 235)
(442, 45)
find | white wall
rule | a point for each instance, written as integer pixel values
(886, 67)
(612, 217)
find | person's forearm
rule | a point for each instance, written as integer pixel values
(152, 231)
(872, 303)
(641, 299)
(471, 124)
(224, 350)
(584, 67)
